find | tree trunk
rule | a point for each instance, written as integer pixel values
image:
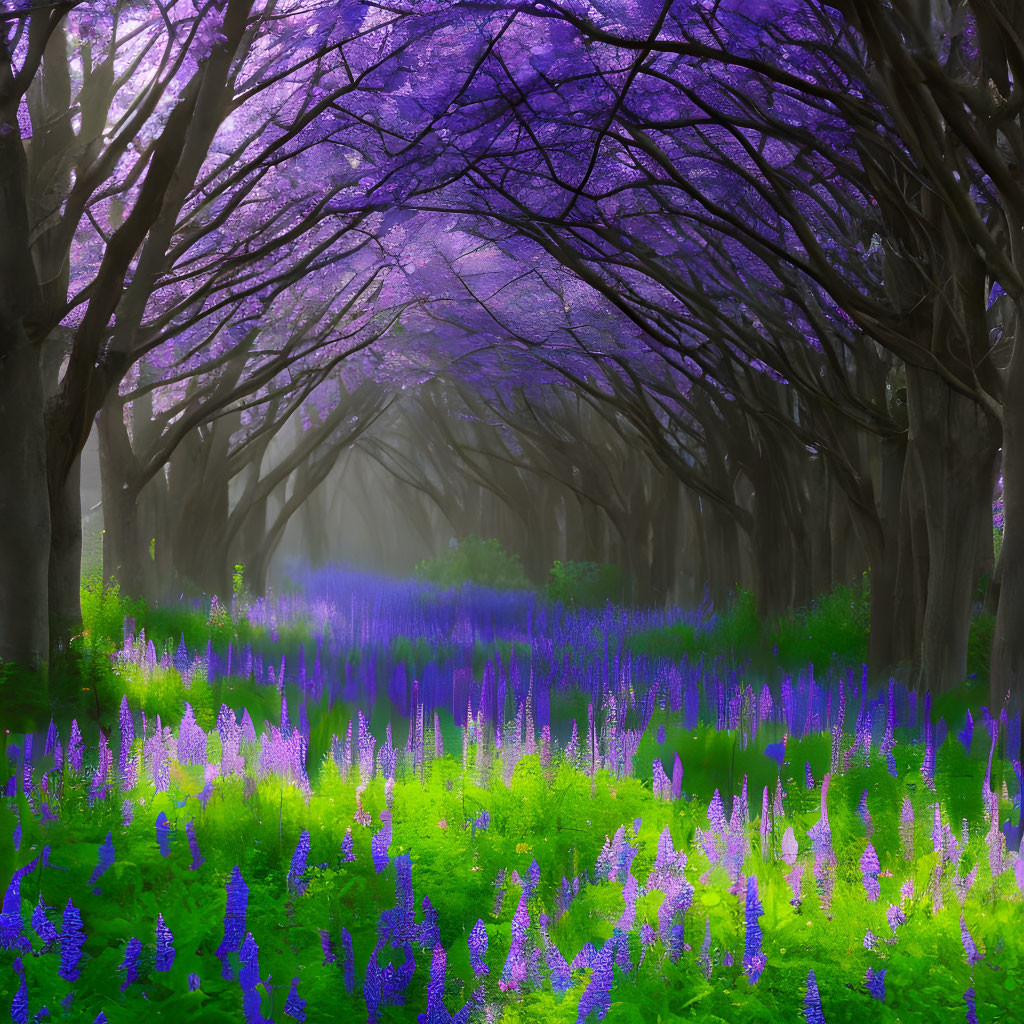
(123, 546)
(956, 447)
(1006, 668)
(24, 501)
(65, 576)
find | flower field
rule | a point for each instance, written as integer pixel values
(378, 800)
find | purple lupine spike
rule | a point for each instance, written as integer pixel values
(596, 996)
(249, 977)
(193, 982)
(966, 734)
(193, 845)
(11, 923)
(347, 855)
(790, 849)
(163, 834)
(246, 728)
(19, 1005)
(561, 978)
(295, 1005)
(436, 1013)
(165, 951)
(380, 841)
(126, 768)
(677, 777)
(429, 932)
(895, 916)
(234, 920)
(298, 865)
(75, 747)
(327, 947)
(478, 947)
(753, 959)
(130, 963)
(42, 925)
(72, 939)
(100, 1018)
(104, 860)
(870, 869)
(813, 1013)
(51, 739)
(809, 775)
(349, 961)
(661, 733)
(973, 956)
(972, 1012)
(875, 981)
(191, 739)
(99, 787)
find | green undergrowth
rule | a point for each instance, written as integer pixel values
(554, 814)
(833, 631)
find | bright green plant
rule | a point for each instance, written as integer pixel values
(475, 560)
(585, 584)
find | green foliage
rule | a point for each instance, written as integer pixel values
(584, 584)
(475, 560)
(737, 632)
(979, 647)
(835, 626)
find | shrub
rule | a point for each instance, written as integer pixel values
(475, 560)
(586, 584)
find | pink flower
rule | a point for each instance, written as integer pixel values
(442, 824)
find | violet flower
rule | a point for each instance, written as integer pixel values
(234, 920)
(72, 939)
(294, 1005)
(753, 959)
(812, 1002)
(875, 981)
(165, 951)
(130, 963)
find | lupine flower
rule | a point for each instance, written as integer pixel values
(875, 981)
(870, 868)
(327, 947)
(895, 916)
(596, 996)
(163, 834)
(753, 959)
(193, 982)
(809, 780)
(380, 841)
(789, 847)
(298, 864)
(812, 1001)
(197, 860)
(104, 860)
(972, 1013)
(19, 1005)
(72, 939)
(130, 963)
(346, 846)
(234, 920)
(973, 956)
(126, 767)
(165, 951)
(42, 925)
(75, 747)
(294, 1005)
(478, 948)
(248, 978)
(11, 924)
(705, 958)
(436, 1013)
(349, 960)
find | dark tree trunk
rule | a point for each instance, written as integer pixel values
(65, 575)
(956, 445)
(24, 501)
(1006, 670)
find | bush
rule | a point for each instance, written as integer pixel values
(475, 560)
(586, 584)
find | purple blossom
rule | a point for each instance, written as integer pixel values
(753, 959)
(294, 1005)
(298, 864)
(870, 869)
(596, 996)
(130, 963)
(327, 947)
(72, 939)
(972, 1013)
(477, 941)
(104, 860)
(163, 834)
(234, 920)
(875, 981)
(436, 1010)
(11, 924)
(165, 951)
(197, 859)
(347, 855)
(19, 1005)
(42, 925)
(812, 1002)
(349, 960)
(75, 747)
(973, 956)
(193, 982)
